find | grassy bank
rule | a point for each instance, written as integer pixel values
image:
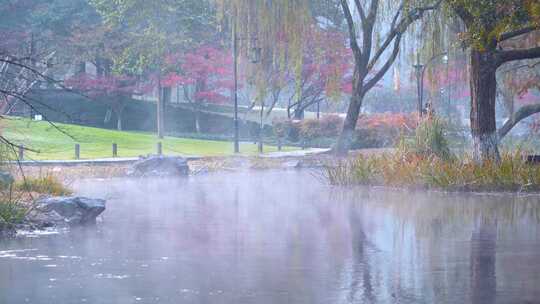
(426, 161)
(512, 174)
(17, 199)
(51, 143)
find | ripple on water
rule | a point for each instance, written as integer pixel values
(110, 276)
(40, 233)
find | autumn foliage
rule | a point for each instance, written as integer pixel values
(208, 70)
(398, 121)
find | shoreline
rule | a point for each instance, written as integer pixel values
(69, 171)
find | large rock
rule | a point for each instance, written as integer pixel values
(70, 210)
(160, 166)
(6, 231)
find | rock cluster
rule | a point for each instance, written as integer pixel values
(69, 210)
(160, 166)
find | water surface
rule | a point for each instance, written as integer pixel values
(280, 237)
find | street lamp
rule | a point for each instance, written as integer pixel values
(420, 73)
(255, 57)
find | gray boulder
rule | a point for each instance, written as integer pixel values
(160, 166)
(6, 231)
(70, 210)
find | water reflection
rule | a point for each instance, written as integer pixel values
(281, 237)
(483, 262)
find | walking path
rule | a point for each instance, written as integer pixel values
(128, 160)
(299, 153)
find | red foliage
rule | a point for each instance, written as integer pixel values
(326, 65)
(401, 121)
(328, 62)
(208, 69)
(96, 86)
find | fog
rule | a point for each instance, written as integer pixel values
(280, 237)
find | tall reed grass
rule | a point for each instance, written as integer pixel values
(426, 161)
(512, 173)
(48, 185)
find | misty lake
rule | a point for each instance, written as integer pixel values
(280, 237)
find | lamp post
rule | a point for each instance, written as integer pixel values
(418, 68)
(236, 130)
(256, 53)
(420, 73)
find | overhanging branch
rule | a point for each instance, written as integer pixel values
(516, 33)
(513, 55)
(520, 115)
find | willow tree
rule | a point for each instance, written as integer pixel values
(375, 28)
(490, 25)
(373, 60)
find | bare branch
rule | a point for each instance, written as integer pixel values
(523, 66)
(352, 31)
(367, 29)
(520, 115)
(521, 54)
(516, 33)
(398, 13)
(380, 74)
(360, 10)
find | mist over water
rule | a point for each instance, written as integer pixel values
(280, 237)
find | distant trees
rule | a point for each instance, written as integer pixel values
(206, 74)
(326, 71)
(33, 41)
(323, 73)
(152, 31)
(112, 90)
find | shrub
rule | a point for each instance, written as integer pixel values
(383, 129)
(430, 138)
(328, 126)
(310, 129)
(400, 121)
(12, 211)
(286, 129)
(43, 185)
(280, 127)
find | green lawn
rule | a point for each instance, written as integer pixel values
(52, 144)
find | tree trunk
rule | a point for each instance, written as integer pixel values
(119, 121)
(346, 137)
(118, 109)
(299, 113)
(289, 110)
(197, 119)
(82, 67)
(483, 97)
(160, 114)
(167, 95)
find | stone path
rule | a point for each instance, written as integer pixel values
(299, 153)
(129, 160)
